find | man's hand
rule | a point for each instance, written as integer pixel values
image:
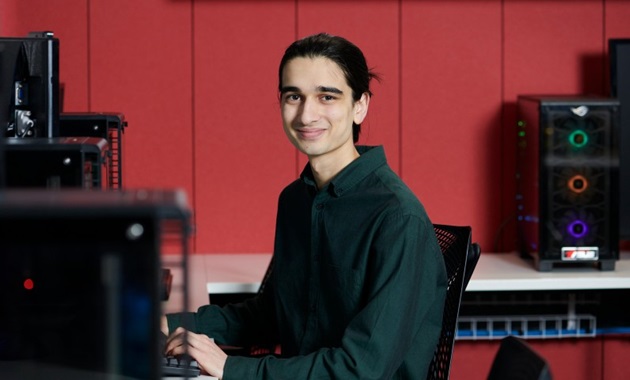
(164, 325)
(209, 356)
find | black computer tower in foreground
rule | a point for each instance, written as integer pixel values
(106, 125)
(567, 181)
(56, 163)
(81, 281)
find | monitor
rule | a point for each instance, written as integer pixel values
(2, 164)
(29, 85)
(619, 50)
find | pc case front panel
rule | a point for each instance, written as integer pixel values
(568, 180)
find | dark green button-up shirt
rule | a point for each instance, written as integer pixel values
(357, 289)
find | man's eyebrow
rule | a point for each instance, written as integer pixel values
(333, 90)
(289, 89)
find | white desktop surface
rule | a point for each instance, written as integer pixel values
(509, 272)
(243, 272)
(214, 273)
(197, 277)
(236, 273)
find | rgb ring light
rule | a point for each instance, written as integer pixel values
(577, 229)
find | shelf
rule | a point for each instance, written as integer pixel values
(526, 326)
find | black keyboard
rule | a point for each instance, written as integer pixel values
(172, 366)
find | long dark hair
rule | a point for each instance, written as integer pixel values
(341, 51)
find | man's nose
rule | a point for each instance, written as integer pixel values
(309, 111)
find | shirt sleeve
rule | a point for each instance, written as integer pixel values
(402, 314)
(242, 324)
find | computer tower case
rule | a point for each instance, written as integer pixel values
(56, 163)
(567, 181)
(81, 281)
(109, 126)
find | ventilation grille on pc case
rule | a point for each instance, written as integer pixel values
(578, 162)
(567, 175)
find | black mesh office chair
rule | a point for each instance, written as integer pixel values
(471, 262)
(516, 360)
(460, 257)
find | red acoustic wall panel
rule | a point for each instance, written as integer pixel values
(445, 109)
(472, 360)
(579, 358)
(374, 29)
(140, 65)
(242, 156)
(8, 18)
(615, 353)
(617, 14)
(451, 106)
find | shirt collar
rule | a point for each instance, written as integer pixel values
(371, 157)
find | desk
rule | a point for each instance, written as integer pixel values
(215, 274)
(506, 294)
(242, 273)
(197, 278)
(235, 273)
(510, 272)
(495, 273)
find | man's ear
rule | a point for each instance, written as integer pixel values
(361, 108)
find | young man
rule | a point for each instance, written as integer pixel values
(358, 283)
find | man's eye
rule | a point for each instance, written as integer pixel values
(328, 98)
(292, 98)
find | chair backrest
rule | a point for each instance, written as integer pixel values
(516, 360)
(455, 243)
(471, 262)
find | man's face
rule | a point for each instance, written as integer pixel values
(317, 107)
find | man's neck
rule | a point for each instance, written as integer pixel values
(326, 167)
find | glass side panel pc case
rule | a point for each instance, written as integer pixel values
(107, 125)
(57, 163)
(568, 180)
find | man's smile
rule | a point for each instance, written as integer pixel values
(310, 133)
